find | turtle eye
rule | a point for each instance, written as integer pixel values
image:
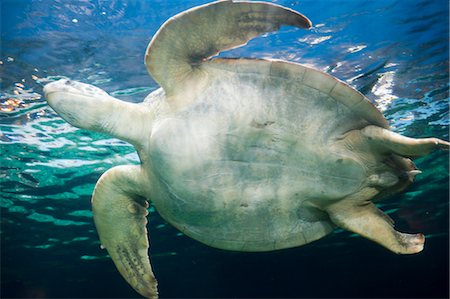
(92, 90)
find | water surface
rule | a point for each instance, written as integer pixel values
(395, 52)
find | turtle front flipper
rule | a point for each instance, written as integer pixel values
(189, 38)
(119, 209)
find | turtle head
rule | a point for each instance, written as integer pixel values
(64, 89)
(89, 107)
(74, 101)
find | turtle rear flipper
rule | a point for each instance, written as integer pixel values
(405, 146)
(357, 214)
(191, 37)
(119, 211)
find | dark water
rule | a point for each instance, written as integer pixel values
(395, 52)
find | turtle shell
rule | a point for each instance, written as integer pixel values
(244, 161)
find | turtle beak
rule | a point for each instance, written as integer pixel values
(65, 99)
(60, 85)
(49, 88)
(74, 88)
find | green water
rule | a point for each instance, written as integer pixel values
(395, 52)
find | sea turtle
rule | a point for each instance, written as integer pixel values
(240, 154)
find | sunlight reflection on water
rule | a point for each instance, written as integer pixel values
(394, 52)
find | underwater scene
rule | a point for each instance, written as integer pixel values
(395, 52)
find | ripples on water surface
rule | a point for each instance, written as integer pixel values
(395, 52)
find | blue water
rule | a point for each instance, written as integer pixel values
(395, 52)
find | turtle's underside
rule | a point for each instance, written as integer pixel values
(241, 154)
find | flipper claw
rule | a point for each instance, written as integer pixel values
(134, 265)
